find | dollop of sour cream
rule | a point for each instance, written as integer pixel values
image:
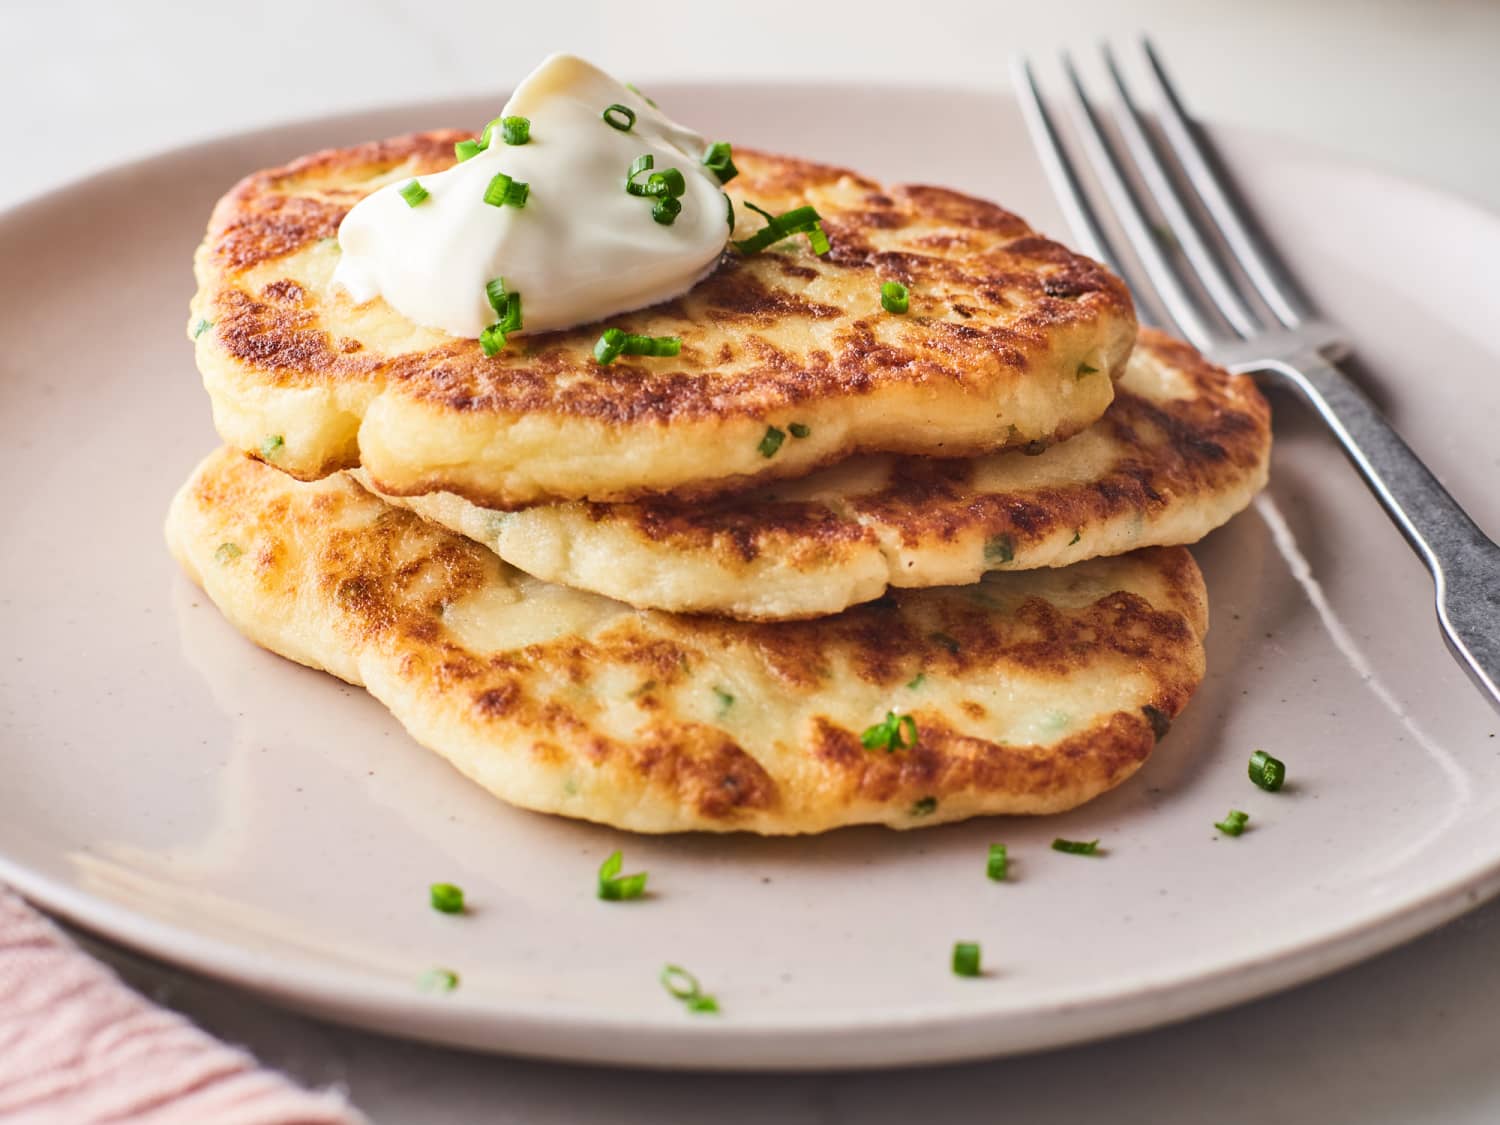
(581, 249)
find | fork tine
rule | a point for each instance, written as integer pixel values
(1066, 186)
(1164, 193)
(1269, 281)
(1180, 304)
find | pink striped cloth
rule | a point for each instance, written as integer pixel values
(77, 1047)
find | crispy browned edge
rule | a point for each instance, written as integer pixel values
(1209, 443)
(390, 578)
(275, 332)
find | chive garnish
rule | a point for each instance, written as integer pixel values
(201, 327)
(507, 305)
(413, 192)
(1085, 369)
(1234, 823)
(894, 732)
(666, 210)
(997, 866)
(506, 192)
(916, 681)
(894, 297)
(685, 987)
(227, 552)
(515, 130)
(439, 980)
(642, 163)
(620, 117)
(446, 898)
(1267, 772)
(669, 182)
(614, 887)
(719, 160)
(729, 211)
(999, 549)
(726, 701)
(799, 220)
(616, 342)
(465, 150)
(798, 430)
(924, 807)
(1076, 847)
(966, 959)
(271, 445)
(771, 442)
(1077, 535)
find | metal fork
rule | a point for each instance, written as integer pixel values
(1254, 319)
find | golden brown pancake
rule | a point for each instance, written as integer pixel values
(1183, 447)
(1030, 692)
(1011, 340)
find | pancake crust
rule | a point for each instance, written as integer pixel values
(1184, 446)
(1031, 692)
(1001, 322)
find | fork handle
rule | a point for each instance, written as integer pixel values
(1464, 561)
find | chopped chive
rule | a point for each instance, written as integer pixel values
(799, 220)
(925, 807)
(894, 297)
(271, 445)
(446, 898)
(894, 732)
(510, 319)
(997, 866)
(515, 130)
(614, 887)
(227, 552)
(1267, 772)
(609, 345)
(726, 701)
(666, 210)
(506, 192)
(631, 86)
(1085, 369)
(798, 430)
(1234, 823)
(771, 442)
(413, 193)
(643, 163)
(439, 980)
(616, 342)
(466, 150)
(668, 182)
(498, 296)
(1076, 847)
(492, 340)
(999, 549)
(201, 327)
(620, 117)
(719, 159)
(966, 959)
(1077, 535)
(916, 681)
(729, 211)
(685, 987)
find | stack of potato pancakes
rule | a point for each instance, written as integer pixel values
(832, 564)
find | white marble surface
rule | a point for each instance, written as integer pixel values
(1412, 86)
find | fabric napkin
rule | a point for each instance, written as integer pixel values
(77, 1046)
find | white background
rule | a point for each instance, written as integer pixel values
(1414, 87)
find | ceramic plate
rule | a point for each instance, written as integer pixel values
(166, 784)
